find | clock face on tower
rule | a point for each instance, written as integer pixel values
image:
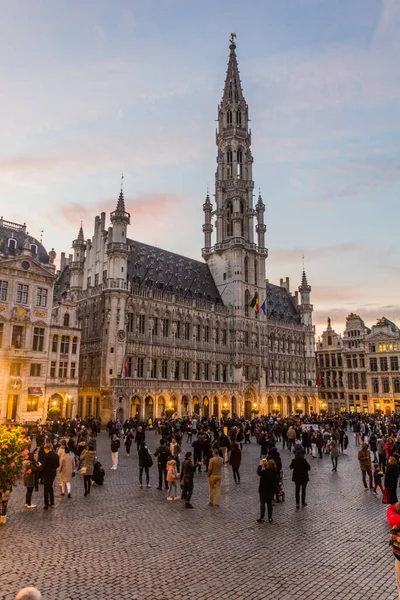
(120, 335)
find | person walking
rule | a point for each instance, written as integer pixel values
(140, 437)
(391, 478)
(30, 469)
(115, 445)
(380, 446)
(214, 477)
(234, 460)
(291, 437)
(186, 479)
(334, 451)
(175, 451)
(89, 458)
(364, 458)
(49, 470)
(162, 454)
(172, 476)
(128, 442)
(267, 487)
(378, 474)
(300, 468)
(66, 470)
(145, 463)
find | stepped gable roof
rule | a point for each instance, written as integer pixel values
(62, 284)
(280, 304)
(149, 266)
(18, 233)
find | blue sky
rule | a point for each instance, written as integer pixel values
(95, 88)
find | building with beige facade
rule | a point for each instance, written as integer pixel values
(370, 366)
(163, 331)
(28, 324)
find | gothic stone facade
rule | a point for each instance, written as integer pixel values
(161, 331)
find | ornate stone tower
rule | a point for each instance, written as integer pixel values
(306, 310)
(236, 262)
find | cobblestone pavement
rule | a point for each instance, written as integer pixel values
(130, 543)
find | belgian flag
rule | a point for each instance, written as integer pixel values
(255, 304)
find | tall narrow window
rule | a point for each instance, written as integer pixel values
(66, 320)
(255, 273)
(3, 290)
(246, 303)
(238, 118)
(38, 339)
(229, 117)
(239, 164)
(17, 339)
(246, 269)
(229, 222)
(22, 293)
(229, 163)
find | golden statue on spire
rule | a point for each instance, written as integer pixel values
(232, 38)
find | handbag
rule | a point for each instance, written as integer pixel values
(83, 471)
(385, 496)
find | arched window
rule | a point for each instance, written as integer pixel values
(239, 164)
(255, 272)
(230, 90)
(12, 244)
(246, 303)
(229, 160)
(34, 249)
(229, 222)
(229, 117)
(238, 118)
(66, 320)
(246, 269)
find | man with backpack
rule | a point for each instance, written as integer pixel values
(162, 454)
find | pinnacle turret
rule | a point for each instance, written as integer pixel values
(304, 282)
(81, 237)
(121, 203)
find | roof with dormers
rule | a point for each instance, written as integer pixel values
(153, 267)
(10, 230)
(280, 304)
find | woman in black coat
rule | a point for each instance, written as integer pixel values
(391, 477)
(267, 487)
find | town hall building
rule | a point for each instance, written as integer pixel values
(161, 331)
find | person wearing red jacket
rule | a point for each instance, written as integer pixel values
(393, 517)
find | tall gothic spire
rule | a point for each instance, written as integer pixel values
(81, 237)
(233, 93)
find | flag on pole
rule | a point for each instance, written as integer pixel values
(124, 372)
(264, 308)
(254, 303)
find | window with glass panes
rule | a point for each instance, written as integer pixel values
(153, 374)
(375, 385)
(373, 364)
(38, 339)
(140, 367)
(73, 370)
(186, 367)
(155, 326)
(207, 371)
(396, 385)
(41, 297)
(54, 343)
(385, 385)
(206, 334)
(1, 334)
(177, 370)
(164, 369)
(64, 349)
(74, 345)
(53, 366)
(35, 370)
(3, 290)
(63, 369)
(22, 293)
(198, 371)
(187, 331)
(142, 324)
(394, 363)
(384, 363)
(131, 322)
(224, 337)
(198, 333)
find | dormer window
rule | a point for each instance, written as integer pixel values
(34, 249)
(12, 244)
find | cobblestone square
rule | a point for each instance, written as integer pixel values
(130, 543)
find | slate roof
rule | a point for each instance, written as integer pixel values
(160, 269)
(280, 304)
(12, 230)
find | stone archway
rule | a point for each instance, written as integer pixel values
(148, 408)
(120, 414)
(135, 407)
(270, 405)
(234, 406)
(56, 401)
(196, 405)
(161, 406)
(289, 404)
(306, 405)
(185, 406)
(279, 405)
(206, 407)
(215, 410)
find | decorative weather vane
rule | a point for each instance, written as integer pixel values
(233, 37)
(122, 182)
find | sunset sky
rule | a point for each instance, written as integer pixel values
(91, 89)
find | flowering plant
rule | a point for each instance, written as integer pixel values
(13, 452)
